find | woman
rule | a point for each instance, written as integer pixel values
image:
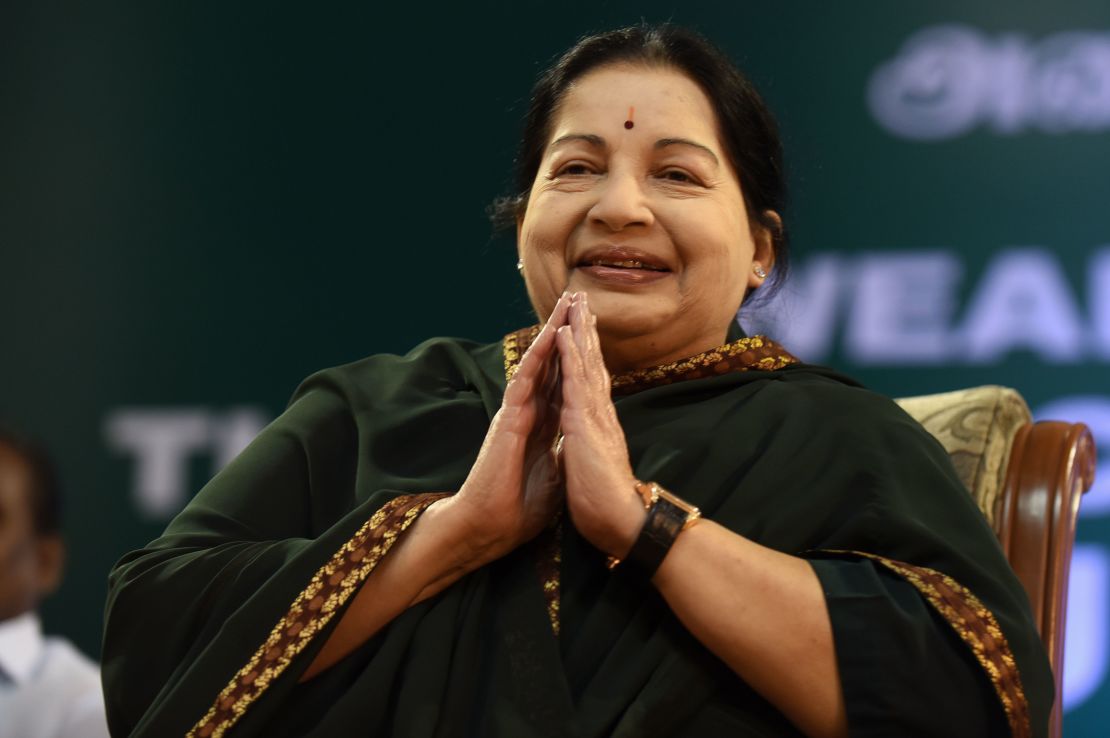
(392, 555)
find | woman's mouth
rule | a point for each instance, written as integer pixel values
(626, 272)
(622, 265)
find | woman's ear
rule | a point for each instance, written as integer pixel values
(519, 229)
(763, 237)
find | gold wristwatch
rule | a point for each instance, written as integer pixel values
(651, 492)
(667, 516)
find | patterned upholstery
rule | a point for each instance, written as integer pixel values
(977, 427)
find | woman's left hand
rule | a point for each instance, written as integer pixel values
(600, 486)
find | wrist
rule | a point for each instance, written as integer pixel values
(467, 545)
(628, 523)
(666, 516)
(612, 523)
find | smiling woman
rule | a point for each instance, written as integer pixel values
(693, 193)
(627, 520)
(649, 221)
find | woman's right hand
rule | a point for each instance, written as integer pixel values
(515, 486)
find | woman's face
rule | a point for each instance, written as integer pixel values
(648, 219)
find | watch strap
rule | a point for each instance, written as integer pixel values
(665, 520)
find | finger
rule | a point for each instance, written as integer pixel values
(545, 341)
(593, 356)
(578, 319)
(580, 323)
(546, 399)
(594, 363)
(576, 390)
(549, 376)
(546, 338)
(558, 315)
(523, 383)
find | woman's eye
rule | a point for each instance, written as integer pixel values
(573, 169)
(677, 175)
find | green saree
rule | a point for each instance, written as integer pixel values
(210, 626)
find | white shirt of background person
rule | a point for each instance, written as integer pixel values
(48, 689)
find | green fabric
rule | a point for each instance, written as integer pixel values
(797, 459)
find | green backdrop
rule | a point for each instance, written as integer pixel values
(200, 204)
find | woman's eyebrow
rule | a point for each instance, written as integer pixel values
(595, 140)
(590, 138)
(665, 142)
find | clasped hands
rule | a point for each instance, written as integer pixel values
(524, 471)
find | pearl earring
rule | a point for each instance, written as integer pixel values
(520, 265)
(759, 271)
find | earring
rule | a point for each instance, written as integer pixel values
(759, 271)
(520, 265)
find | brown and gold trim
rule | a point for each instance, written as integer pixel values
(976, 626)
(755, 353)
(743, 355)
(549, 563)
(513, 347)
(331, 587)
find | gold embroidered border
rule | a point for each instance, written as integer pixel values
(513, 347)
(549, 562)
(330, 587)
(746, 354)
(976, 626)
(755, 353)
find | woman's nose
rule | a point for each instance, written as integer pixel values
(621, 203)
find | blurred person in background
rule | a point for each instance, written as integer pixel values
(47, 687)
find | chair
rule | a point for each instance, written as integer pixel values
(1027, 478)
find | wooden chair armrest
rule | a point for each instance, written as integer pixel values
(1051, 465)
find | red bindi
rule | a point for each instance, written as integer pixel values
(628, 123)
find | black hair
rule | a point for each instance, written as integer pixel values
(45, 491)
(747, 127)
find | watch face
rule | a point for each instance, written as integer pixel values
(678, 502)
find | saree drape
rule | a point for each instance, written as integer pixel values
(210, 626)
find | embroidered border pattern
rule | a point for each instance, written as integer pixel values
(976, 626)
(331, 586)
(513, 347)
(755, 353)
(549, 563)
(746, 354)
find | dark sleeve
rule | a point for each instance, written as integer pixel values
(904, 669)
(933, 631)
(202, 620)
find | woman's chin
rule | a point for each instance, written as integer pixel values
(622, 315)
